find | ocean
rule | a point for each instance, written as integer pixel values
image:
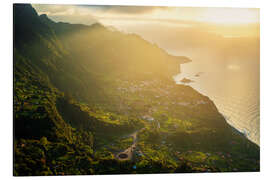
(224, 68)
(234, 87)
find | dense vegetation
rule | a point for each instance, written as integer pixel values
(80, 91)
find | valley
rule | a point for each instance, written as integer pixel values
(88, 100)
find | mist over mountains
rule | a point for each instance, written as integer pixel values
(80, 91)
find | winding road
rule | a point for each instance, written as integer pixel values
(127, 154)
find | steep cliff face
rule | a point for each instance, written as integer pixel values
(78, 90)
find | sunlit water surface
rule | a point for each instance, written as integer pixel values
(234, 88)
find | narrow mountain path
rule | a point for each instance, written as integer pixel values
(127, 154)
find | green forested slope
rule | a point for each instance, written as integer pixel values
(79, 91)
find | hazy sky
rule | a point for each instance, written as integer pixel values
(220, 20)
(219, 33)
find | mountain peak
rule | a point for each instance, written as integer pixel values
(44, 18)
(25, 10)
(27, 23)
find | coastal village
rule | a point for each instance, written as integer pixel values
(162, 106)
(89, 100)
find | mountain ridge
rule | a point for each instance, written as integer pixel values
(79, 90)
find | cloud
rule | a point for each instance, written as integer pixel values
(127, 9)
(89, 14)
(51, 9)
(66, 13)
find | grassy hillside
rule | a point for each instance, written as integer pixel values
(81, 91)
